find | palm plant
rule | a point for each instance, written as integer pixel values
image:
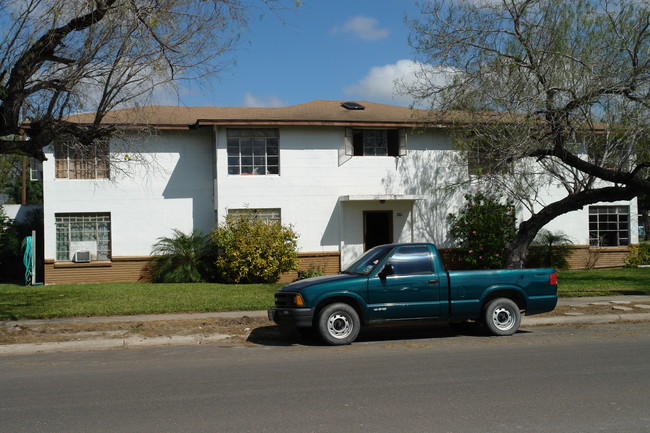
(183, 258)
(550, 250)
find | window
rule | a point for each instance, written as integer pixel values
(611, 151)
(412, 260)
(609, 226)
(76, 161)
(482, 161)
(268, 215)
(253, 151)
(83, 231)
(375, 142)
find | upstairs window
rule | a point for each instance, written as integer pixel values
(253, 151)
(609, 226)
(483, 162)
(76, 161)
(375, 142)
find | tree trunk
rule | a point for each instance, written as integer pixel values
(518, 248)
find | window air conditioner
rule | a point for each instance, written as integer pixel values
(83, 251)
(81, 257)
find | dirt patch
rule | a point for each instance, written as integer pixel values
(234, 330)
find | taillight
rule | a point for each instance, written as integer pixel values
(552, 279)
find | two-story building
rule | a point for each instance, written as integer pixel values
(347, 176)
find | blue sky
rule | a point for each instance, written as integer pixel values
(326, 49)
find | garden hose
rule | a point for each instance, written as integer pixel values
(27, 259)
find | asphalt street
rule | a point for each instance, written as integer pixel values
(544, 379)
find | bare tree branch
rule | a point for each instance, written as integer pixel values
(571, 81)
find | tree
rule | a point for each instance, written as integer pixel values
(11, 172)
(5, 223)
(60, 57)
(556, 92)
(483, 228)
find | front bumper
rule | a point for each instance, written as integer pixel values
(297, 317)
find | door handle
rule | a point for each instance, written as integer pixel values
(433, 281)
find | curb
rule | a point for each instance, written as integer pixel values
(117, 343)
(576, 320)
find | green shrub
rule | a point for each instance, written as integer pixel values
(5, 223)
(638, 255)
(549, 250)
(483, 229)
(12, 236)
(183, 258)
(312, 271)
(253, 250)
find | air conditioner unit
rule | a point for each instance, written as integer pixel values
(87, 251)
(81, 257)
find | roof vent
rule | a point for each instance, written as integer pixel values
(353, 105)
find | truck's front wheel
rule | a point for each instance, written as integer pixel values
(338, 324)
(502, 316)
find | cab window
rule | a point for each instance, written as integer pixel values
(412, 260)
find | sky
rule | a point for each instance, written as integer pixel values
(325, 49)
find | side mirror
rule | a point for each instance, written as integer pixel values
(388, 270)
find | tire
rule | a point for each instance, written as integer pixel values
(502, 317)
(338, 324)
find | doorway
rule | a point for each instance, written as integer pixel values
(377, 228)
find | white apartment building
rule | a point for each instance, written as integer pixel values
(346, 176)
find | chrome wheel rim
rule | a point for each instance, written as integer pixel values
(339, 325)
(503, 318)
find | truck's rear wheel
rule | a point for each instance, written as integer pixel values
(502, 316)
(338, 324)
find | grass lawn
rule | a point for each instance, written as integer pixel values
(75, 300)
(604, 282)
(78, 300)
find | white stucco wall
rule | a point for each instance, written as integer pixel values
(324, 200)
(171, 183)
(169, 186)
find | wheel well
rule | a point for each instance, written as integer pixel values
(510, 294)
(343, 299)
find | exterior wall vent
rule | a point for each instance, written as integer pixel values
(352, 105)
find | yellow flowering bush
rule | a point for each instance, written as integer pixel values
(253, 250)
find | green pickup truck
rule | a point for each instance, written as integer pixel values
(403, 282)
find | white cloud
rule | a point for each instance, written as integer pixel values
(365, 28)
(383, 83)
(262, 101)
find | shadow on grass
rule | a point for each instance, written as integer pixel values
(28, 305)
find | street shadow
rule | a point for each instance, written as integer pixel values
(277, 336)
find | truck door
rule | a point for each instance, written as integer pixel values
(412, 291)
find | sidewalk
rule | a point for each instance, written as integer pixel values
(593, 310)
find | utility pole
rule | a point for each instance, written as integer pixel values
(24, 180)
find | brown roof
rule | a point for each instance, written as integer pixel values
(330, 113)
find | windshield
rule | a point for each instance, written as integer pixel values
(367, 263)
